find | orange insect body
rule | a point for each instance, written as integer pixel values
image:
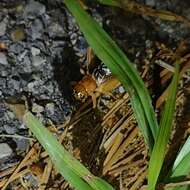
(85, 88)
(3, 46)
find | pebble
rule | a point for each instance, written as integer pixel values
(37, 29)
(35, 51)
(121, 89)
(18, 35)
(3, 59)
(15, 84)
(56, 30)
(26, 66)
(16, 48)
(37, 108)
(22, 144)
(33, 9)
(5, 151)
(38, 61)
(21, 56)
(50, 108)
(10, 128)
(3, 27)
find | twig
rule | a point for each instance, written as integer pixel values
(17, 136)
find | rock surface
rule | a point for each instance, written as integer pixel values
(5, 151)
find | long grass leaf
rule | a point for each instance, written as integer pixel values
(107, 50)
(183, 152)
(181, 166)
(180, 172)
(71, 169)
(159, 149)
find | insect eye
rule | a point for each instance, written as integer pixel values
(81, 95)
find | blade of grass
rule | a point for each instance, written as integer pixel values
(181, 166)
(107, 50)
(159, 149)
(71, 169)
(180, 172)
(183, 152)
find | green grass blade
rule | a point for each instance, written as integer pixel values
(138, 111)
(181, 171)
(107, 50)
(71, 169)
(181, 166)
(159, 149)
(183, 152)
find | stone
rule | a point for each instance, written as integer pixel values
(50, 108)
(38, 61)
(10, 128)
(34, 9)
(56, 30)
(22, 55)
(35, 51)
(18, 35)
(3, 59)
(121, 89)
(5, 151)
(37, 29)
(16, 48)
(22, 144)
(37, 108)
(3, 27)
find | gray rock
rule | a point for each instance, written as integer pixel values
(3, 27)
(14, 84)
(56, 30)
(18, 34)
(53, 111)
(35, 51)
(25, 66)
(3, 85)
(3, 73)
(33, 9)
(38, 61)
(37, 108)
(50, 108)
(37, 29)
(11, 115)
(121, 89)
(3, 59)
(10, 128)
(5, 151)
(22, 144)
(34, 86)
(16, 48)
(22, 55)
